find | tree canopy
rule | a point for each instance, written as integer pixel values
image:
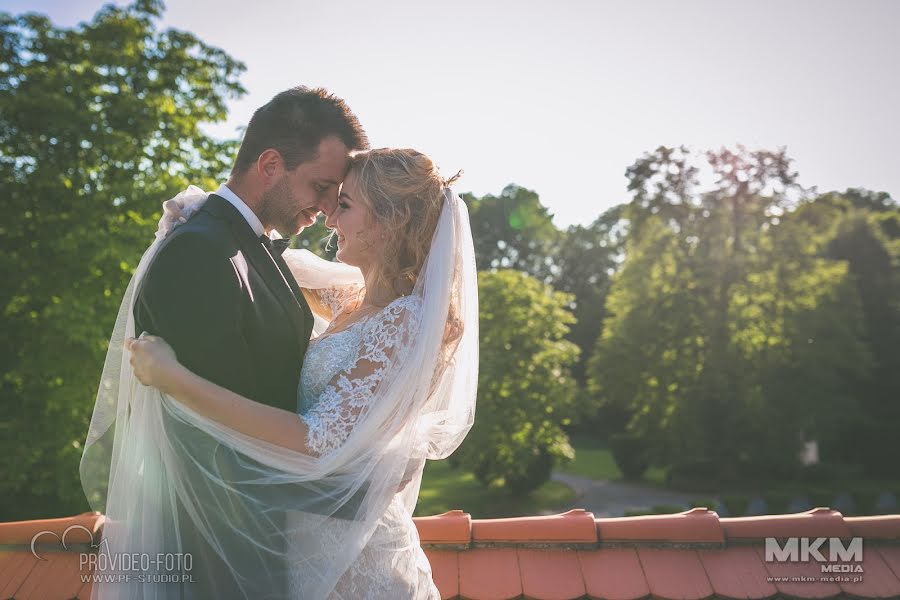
(98, 124)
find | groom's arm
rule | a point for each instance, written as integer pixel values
(191, 297)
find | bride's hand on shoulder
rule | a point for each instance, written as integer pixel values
(153, 360)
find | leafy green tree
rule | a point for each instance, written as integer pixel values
(513, 231)
(526, 393)
(585, 260)
(317, 238)
(862, 229)
(98, 125)
(727, 335)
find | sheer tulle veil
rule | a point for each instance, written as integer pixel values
(134, 468)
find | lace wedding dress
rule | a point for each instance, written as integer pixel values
(381, 390)
(340, 373)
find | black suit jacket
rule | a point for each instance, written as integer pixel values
(234, 315)
(219, 298)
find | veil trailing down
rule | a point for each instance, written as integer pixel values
(315, 519)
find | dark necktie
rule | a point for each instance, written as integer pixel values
(275, 247)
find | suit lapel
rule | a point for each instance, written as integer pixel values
(282, 285)
(295, 289)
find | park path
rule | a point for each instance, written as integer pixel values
(607, 498)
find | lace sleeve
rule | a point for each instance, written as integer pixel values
(347, 397)
(334, 300)
(329, 286)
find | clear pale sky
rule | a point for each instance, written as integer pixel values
(562, 96)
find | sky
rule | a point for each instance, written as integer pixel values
(562, 96)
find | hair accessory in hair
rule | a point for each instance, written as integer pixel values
(454, 179)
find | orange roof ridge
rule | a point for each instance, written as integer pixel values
(451, 527)
(815, 522)
(694, 526)
(22, 532)
(881, 527)
(698, 525)
(565, 557)
(576, 525)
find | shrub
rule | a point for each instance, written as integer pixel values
(631, 454)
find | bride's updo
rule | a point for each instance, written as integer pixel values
(404, 192)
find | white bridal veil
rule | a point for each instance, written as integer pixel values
(283, 515)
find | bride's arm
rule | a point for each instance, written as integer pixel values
(156, 365)
(328, 286)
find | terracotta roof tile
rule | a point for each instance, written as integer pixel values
(613, 574)
(816, 522)
(879, 581)
(674, 574)
(736, 573)
(550, 574)
(577, 526)
(885, 527)
(692, 555)
(21, 532)
(56, 577)
(804, 589)
(85, 592)
(453, 526)
(695, 525)
(891, 556)
(14, 569)
(490, 574)
(445, 571)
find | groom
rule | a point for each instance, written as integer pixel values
(219, 292)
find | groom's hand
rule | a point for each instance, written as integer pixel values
(153, 360)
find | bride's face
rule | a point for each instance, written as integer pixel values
(360, 238)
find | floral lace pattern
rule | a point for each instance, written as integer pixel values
(391, 566)
(340, 373)
(342, 370)
(338, 299)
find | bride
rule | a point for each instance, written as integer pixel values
(325, 499)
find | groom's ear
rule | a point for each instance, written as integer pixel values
(270, 164)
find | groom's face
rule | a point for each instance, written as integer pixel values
(295, 200)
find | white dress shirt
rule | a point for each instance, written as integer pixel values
(245, 211)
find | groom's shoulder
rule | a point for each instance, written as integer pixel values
(203, 236)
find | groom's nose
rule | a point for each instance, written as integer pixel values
(328, 204)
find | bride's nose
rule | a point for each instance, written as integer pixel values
(328, 204)
(331, 219)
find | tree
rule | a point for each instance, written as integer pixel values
(317, 239)
(98, 125)
(585, 261)
(513, 231)
(525, 389)
(712, 319)
(862, 230)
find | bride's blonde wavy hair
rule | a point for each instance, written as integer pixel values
(404, 192)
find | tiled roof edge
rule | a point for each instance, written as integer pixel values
(698, 528)
(577, 528)
(85, 528)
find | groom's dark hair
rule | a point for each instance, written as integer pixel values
(294, 122)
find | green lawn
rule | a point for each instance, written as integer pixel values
(594, 460)
(445, 489)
